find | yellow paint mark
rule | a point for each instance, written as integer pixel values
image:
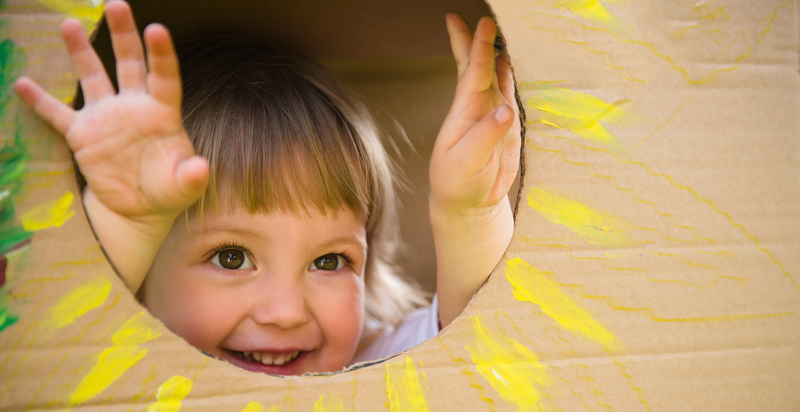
(512, 369)
(88, 12)
(257, 407)
(78, 302)
(718, 252)
(403, 387)
(772, 17)
(532, 242)
(580, 113)
(669, 119)
(533, 285)
(632, 384)
(607, 59)
(593, 226)
(49, 214)
(569, 103)
(649, 312)
(79, 262)
(653, 49)
(697, 196)
(589, 257)
(680, 33)
(473, 380)
(592, 10)
(723, 318)
(117, 359)
(170, 394)
(330, 404)
(66, 89)
(626, 269)
(253, 407)
(707, 12)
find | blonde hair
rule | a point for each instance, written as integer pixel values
(283, 134)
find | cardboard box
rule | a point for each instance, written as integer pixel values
(655, 262)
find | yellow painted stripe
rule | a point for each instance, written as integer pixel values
(49, 214)
(592, 10)
(331, 403)
(88, 12)
(581, 113)
(78, 302)
(569, 103)
(593, 226)
(532, 285)
(512, 369)
(114, 361)
(253, 407)
(403, 387)
(170, 394)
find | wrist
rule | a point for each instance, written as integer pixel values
(150, 227)
(466, 219)
(129, 244)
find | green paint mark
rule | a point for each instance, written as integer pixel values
(6, 319)
(13, 156)
(12, 164)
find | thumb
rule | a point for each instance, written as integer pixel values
(191, 177)
(479, 142)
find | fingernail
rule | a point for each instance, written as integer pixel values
(503, 114)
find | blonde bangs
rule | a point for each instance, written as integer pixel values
(264, 161)
(275, 140)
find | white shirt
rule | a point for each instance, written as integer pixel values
(417, 327)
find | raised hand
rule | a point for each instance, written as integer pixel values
(476, 156)
(474, 163)
(131, 146)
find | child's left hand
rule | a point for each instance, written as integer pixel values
(474, 163)
(476, 156)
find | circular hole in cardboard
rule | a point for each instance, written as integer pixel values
(409, 76)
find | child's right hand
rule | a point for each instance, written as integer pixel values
(131, 146)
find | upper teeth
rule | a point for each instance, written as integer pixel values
(268, 358)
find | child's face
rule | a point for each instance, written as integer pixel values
(244, 287)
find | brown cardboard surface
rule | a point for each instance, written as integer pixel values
(670, 284)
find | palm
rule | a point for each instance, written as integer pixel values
(130, 146)
(129, 162)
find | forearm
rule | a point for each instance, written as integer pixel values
(467, 250)
(130, 245)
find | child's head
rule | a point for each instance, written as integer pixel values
(289, 249)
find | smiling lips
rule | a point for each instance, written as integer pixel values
(267, 358)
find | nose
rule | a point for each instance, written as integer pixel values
(281, 303)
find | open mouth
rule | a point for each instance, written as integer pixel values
(272, 363)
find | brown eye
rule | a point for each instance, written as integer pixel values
(331, 261)
(231, 259)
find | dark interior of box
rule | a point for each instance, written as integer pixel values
(395, 53)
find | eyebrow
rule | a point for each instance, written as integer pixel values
(342, 240)
(249, 234)
(238, 231)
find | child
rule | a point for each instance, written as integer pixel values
(282, 261)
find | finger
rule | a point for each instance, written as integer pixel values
(480, 70)
(91, 73)
(191, 177)
(163, 78)
(128, 49)
(505, 78)
(479, 142)
(50, 109)
(460, 40)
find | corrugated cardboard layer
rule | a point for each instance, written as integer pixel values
(654, 265)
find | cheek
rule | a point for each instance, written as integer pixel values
(339, 312)
(194, 311)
